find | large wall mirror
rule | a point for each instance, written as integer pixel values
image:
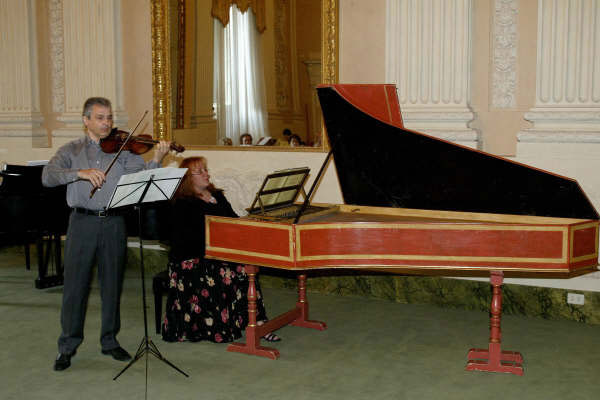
(298, 49)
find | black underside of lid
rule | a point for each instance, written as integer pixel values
(386, 166)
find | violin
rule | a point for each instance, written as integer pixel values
(139, 144)
(117, 141)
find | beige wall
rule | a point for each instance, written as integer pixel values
(137, 70)
(362, 41)
(362, 56)
(362, 59)
(499, 127)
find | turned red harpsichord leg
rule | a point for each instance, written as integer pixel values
(494, 359)
(302, 305)
(253, 331)
(298, 316)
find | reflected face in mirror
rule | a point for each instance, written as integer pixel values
(295, 141)
(290, 50)
(246, 139)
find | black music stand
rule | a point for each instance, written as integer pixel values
(136, 189)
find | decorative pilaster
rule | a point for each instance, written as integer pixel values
(90, 59)
(57, 50)
(428, 56)
(19, 78)
(567, 101)
(504, 71)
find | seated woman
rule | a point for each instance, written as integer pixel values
(207, 298)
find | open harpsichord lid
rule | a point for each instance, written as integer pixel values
(380, 163)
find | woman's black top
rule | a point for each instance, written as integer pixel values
(187, 224)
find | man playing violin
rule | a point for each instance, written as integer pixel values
(94, 234)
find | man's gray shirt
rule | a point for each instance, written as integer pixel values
(84, 153)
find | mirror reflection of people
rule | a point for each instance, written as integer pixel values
(286, 134)
(295, 140)
(207, 298)
(246, 139)
(227, 142)
(95, 235)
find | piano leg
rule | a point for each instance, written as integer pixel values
(58, 266)
(302, 305)
(253, 331)
(297, 316)
(27, 256)
(493, 359)
(44, 246)
(49, 248)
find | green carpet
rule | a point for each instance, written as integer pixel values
(372, 349)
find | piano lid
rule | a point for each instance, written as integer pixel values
(379, 163)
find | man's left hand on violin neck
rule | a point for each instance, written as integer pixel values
(161, 150)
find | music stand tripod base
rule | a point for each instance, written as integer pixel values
(129, 189)
(147, 346)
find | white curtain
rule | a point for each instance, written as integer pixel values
(239, 87)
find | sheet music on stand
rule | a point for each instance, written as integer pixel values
(130, 188)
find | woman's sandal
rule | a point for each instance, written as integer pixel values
(271, 337)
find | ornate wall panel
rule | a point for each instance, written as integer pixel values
(428, 57)
(92, 59)
(19, 80)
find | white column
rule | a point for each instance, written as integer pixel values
(567, 99)
(428, 56)
(86, 59)
(20, 95)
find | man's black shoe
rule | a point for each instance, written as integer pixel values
(118, 353)
(63, 361)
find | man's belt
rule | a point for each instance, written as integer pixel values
(97, 213)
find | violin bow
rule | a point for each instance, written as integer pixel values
(119, 152)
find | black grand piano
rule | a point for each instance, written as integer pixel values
(414, 203)
(32, 213)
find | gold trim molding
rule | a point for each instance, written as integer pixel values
(330, 41)
(161, 85)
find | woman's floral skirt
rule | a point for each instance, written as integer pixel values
(208, 301)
